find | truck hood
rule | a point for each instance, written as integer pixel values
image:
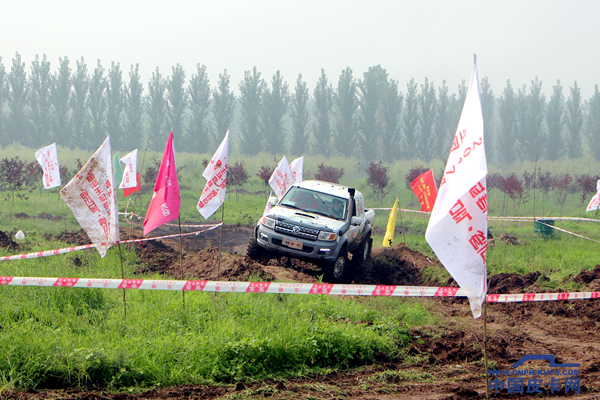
(304, 218)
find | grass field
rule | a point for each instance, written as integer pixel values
(79, 337)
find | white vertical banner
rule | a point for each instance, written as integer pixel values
(457, 229)
(297, 167)
(129, 173)
(282, 178)
(92, 198)
(595, 202)
(215, 174)
(48, 159)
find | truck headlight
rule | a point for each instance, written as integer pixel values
(327, 236)
(268, 222)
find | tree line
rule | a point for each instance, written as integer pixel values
(370, 116)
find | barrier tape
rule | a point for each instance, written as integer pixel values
(569, 232)
(285, 288)
(65, 250)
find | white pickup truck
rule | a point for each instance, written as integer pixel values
(317, 221)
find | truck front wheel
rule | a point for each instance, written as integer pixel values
(339, 268)
(254, 251)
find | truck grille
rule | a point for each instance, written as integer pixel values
(297, 231)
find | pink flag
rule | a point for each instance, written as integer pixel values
(165, 203)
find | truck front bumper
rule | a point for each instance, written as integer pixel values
(319, 250)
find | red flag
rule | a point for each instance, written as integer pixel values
(165, 203)
(424, 189)
(129, 191)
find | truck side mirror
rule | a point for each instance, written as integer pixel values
(272, 201)
(355, 221)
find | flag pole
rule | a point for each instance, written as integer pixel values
(181, 258)
(485, 358)
(403, 229)
(533, 247)
(221, 242)
(123, 277)
(139, 195)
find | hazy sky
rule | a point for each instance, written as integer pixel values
(513, 39)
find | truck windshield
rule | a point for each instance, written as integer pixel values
(316, 202)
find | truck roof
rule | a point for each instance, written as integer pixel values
(325, 187)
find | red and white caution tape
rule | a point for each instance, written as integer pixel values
(56, 252)
(569, 232)
(285, 288)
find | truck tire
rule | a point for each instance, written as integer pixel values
(254, 251)
(338, 269)
(363, 253)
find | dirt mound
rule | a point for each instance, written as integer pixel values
(7, 242)
(49, 216)
(78, 238)
(395, 265)
(511, 282)
(589, 278)
(21, 216)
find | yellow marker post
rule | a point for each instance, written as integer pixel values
(391, 226)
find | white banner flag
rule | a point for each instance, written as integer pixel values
(129, 173)
(595, 202)
(91, 197)
(297, 167)
(282, 178)
(215, 173)
(457, 229)
(48, 159)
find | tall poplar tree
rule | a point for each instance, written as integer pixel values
(533, 108)
(223, 106)
(300, 118)
(97, 106)
(177, 101)
(391, 110)
(508, 125)
(155, 107)
(487, 107)
(134, 110)
(574, 122)
(17, 101)
(275, 101)
(115, 102)
(40, 83)
(593, 125)
(197, 137)
(555, 123)
(251, 89)
(79, 105)
(427, 109)
(61, 104)
(323, 95)
(410, 120)
(345, 108)
(3, 99)
(371, 90)
(443, 135)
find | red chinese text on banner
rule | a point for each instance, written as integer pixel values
(92, 198)
(457, 229)
(130, 191)
(424, 188)
(166, 202)
(215, 174)
(282, 178)
(48, 159)
(130, 171)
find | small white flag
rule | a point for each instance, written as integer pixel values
(129, 173)
(215, 174)
(282, 178)
(595, 202)
(457, 229)
(48, 159)
(297, 167)
(92, 198)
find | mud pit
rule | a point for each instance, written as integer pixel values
(442, 362)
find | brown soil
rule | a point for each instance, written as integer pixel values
(442, 362)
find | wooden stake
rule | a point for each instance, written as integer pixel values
(485, 358)
(139, 193)
(221, 242)
(181, 259)
(403, 228)
(533, 247)
(123, 277)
